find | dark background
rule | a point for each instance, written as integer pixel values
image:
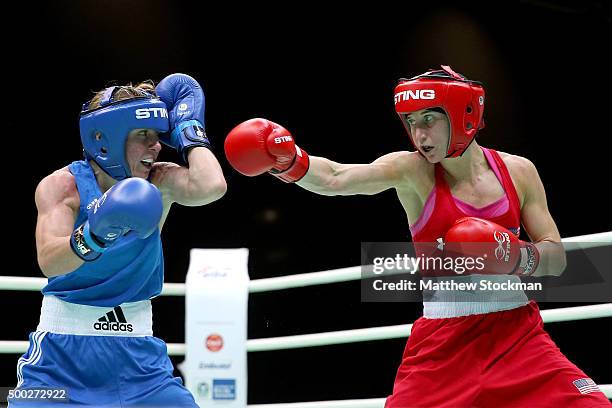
(327, 75)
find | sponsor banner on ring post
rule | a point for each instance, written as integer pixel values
(217, 289)
(485, 272)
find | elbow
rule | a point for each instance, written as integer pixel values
(555, 259)
(50, 269)
(52, 265)
(46, 267)
(218, 189)
(560, 264)
(211, 191)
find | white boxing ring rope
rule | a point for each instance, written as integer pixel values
(329, 338)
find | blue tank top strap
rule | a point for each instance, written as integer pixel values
(87, 185)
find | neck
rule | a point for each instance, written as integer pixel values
(468, 166)
(104, 180)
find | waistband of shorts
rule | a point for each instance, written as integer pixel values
(457, 303)
(127, 320)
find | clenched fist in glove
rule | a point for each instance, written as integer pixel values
(185, 101)
(132, 204)
(259, 145)
(504, 253)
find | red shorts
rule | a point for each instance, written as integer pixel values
(501, 359)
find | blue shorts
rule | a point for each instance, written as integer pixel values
(100, 371)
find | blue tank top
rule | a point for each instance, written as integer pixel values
(129, 271)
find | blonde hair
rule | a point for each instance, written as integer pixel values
(129, 91)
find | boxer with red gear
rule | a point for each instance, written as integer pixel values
(482, 350)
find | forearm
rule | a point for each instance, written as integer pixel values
(205, 177)
(552, 259)
(57, 258)
(322, 177)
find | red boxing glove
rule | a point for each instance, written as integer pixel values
(503, 253)
(259, 145)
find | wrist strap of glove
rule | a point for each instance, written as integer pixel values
(530, 258)
(188, 135)
(297, 169)
(84, 244)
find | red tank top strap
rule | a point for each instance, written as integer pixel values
(444, 197)
(515, 204)
(441, 183)
(444, 213)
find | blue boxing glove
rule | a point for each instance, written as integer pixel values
(184, 99)
(132, 204)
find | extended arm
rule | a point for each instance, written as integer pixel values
(259, 145)
(327, 177)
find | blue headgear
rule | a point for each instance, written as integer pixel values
(104, 130)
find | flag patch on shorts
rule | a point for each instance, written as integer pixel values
(586, 386)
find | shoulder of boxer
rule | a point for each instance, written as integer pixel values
(523, 172)
(402, 165)
(518, 164)
(58, 187)
(410, 168)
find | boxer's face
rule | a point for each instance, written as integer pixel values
(141, 150)
(430, 132)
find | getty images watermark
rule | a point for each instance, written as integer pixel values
(444, 266)
(479, 272)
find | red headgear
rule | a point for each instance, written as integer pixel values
(461, 99)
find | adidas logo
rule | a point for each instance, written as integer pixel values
(114, 321)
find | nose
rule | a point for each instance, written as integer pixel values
(420, 135)
(156, 146)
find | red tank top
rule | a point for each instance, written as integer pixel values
(446, 212)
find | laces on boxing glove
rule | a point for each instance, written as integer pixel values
(85, 245)
(188, 135)
(296, 170)
(529, 261)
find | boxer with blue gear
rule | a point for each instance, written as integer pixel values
(95, 336)
(185, 101)
(104, 130)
